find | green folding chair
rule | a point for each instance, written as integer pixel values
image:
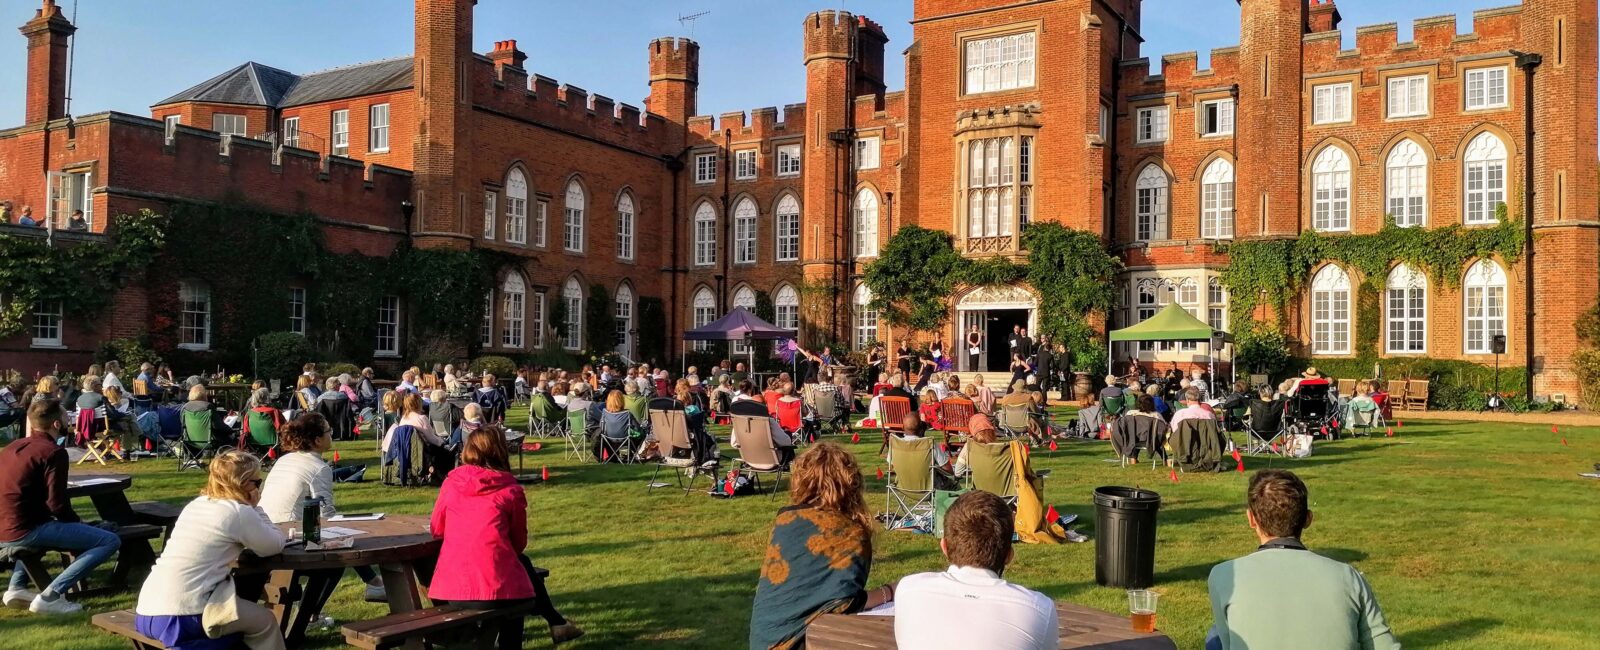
(909, 493)
(577, 436)
(263, 436)
(197, 440)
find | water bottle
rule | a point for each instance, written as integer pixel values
(311, 519)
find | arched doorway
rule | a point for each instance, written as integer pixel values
(995, 311)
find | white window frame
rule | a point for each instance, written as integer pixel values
(705, 168)
(1484, 295)
(1405, 305)
(744, 164)
(788, 160)
(572, 222)
(339, 127)
(48, 325)
(378, 128)
(491, 212)
(868, 153)
(1151, 192)
(170, 126)
(297, 310)
(1330, 103)
(1330, 311)
(622, 315)
(1407, 96)
(786, 221)
(1000, 63)
(1216, 304)
(572, 292)
(387, 343)
(625, 226)
(745, 222)
(1217, 200)
(1484, 182)
(1152, 124)
(744, 297)
(230, 124)
(516, 207)
(536, 318)
(704, 309)
(1406, 184)
(486, 329)
(69, 191)
(786, 308)
(864, 320)
(1224, 117)
(864, 213)
(1330, 191)
(194, 321)
(705, 235)
(1489, 79)
(513, 308)
(291, 131)
(541, 221)
(1105, 123)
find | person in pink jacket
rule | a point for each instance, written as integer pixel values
(482, 516)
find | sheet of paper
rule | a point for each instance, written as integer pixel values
(86, 482)
(886, 609)
(337, 532)
(372, 517)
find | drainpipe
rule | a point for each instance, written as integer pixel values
(1529, 62)
(727, 219)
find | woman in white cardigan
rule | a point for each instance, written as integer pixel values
(301, 472)
(189, 596)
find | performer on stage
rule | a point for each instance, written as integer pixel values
(974, 349)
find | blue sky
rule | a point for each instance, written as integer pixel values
(132, 53)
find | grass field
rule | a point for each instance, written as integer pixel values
(1472, 535)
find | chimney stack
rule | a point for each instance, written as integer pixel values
(48, 34)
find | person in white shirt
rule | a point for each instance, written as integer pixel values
(113, 368)
(299, 473)
(969, 605)
(196, 564)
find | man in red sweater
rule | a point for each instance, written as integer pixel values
(36, 513)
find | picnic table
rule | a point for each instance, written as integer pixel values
(1081, 627)
(108, 493)
(396, 544)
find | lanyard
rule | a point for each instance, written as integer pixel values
(1291, 543)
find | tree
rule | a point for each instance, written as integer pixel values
(599, 321)
(915, 273)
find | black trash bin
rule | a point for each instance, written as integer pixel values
(1125, 536)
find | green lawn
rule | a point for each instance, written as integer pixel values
(1473, 536)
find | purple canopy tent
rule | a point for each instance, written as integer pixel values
(738, 325)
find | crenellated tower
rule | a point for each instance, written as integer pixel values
(831, 65)
(444, 134)
(1267, 190)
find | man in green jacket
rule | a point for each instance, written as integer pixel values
(1284, 596)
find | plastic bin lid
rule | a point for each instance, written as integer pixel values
(1126, 498)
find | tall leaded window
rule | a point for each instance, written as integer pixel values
(999, 185)
(705, 235)
(572, 293)
(1330, 311)
(1000, 63)
(516, 207)
(1330, 186)
(625, 226)
(491, 213)
(572, 232)
(1485, 178)
(1216, 200)
(536, 318)
(1406, 305)
(624, 320)
(341, 132)
(705, 311)
(787, 222)
(1150, 204)
(786, 308)
(866, 223)
(486, 330)
(1485, 298)
(194, 327)
(746, 298)
(513, 296)
(1217, 304)
(1407, 184)
(866, 319)
(540, 218)
(744, 231)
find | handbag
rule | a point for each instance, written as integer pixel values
(222, 609)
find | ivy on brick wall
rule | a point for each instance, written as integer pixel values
(83, 277)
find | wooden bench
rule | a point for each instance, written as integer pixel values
(156, 513)
(396, 630)
(32, 561)
(121, 623)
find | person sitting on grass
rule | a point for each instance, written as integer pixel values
(301, 472)
(820, 553)
(482, 516)
(1284, 596)
(969, 605)
(194, 573)
(37, 514)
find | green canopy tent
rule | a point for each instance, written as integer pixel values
(1172, 323)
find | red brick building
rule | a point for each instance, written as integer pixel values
(1012, 113)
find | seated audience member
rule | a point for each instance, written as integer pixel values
(113, 375)
(197, 561)
(1240, 397)
(782, 440)
(1162, 409)
(982, 433)
(490, 397)
(199, 404)
(770, 396)
(1192, 408)
(897, 388)
(1199, 382)
(452, 382)
(820, 553)
(793, 413)
(913, 429)
(1308, 378)
(1266, 412)
(347, 386)
(367, 391)
(970, 605)
(471, 420)
(119, 414)
(1285, 389)
(580, 399)
(929, 410)
(558, 394)
(1112, 391)
(12, 410)
(408, 382)
(1139, 428)
(90, 398)
(482, 516)
(1284, 596)
(746, 401)
(617, 425)
(982, 396)
(437, 457)
(36, 513)
(331, 392)
(301, 472)
(305, 394)
(259, 397)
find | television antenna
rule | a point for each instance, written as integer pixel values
(688, 21)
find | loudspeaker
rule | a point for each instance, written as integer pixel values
(1497, 344)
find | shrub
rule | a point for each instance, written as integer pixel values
(129, 352)
(281, 355)
(500, 366)
(1452, 385)
(341, 368)
(1586, 363)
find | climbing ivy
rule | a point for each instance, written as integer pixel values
(83, 277)
(599, 321)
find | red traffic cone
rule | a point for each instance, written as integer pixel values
(147, 444)
(605, 454)
(1324, 430)
(855, 437)
(1051, 515)
(336, 457)
(880, 473)
(1236, 453)
(272, 453)
(117, 445)
(1399, 423)
(1241, 466)
(544, 473)
(1389, 431)
(1335, 424)
(1173, 474)
(1052, 445)
(1555, 429)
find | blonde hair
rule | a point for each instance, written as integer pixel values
(45, 385)
(391, 402)
(827, 477)
(228, 475)
(614, 401)
(411, 403)
(113, 394)
(197, 392)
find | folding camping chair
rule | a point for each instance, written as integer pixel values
(671, 429)
(544, 417)
(791, 416)
(447, 415)
(1310, 409)
(1135, 429)
(577, 436)
(1014, 420)
(260, 432)
(619, 442)
(1265, 428)
(398, 463)
(828, 412)
(954, 415)
(757, 454)
(992, 469)
(909, 493)
(94, 430)
(1362, 416)
(197, 439)
(892, 417)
